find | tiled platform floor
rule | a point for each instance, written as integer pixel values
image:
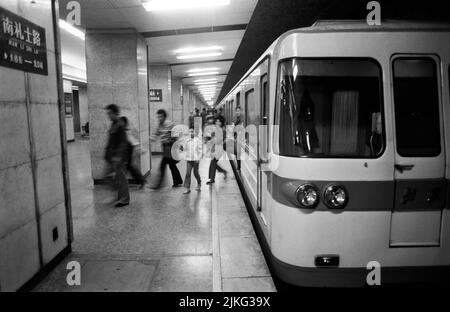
(163, 241)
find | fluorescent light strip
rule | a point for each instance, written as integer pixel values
(196, 70)
(164, 5)
(212, 83)
(200, 55)
(193, 50)
(205, 80)
(72, 30)
(204, 74)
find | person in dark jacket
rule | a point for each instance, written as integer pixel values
(132, 147)
(116, 153)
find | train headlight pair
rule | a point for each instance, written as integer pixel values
(334, 196)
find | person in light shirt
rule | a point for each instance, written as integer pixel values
(193, 151)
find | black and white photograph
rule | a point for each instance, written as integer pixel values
(229, 155)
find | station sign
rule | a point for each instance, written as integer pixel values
(155, 95)
(68, 102)
(22, 44)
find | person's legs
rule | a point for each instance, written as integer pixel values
(162, 172)
(212, 169)
(135, 173)
(108, 171)
(196, 174)
(122, 183)
(176, 176)
(218, 168)
(187, 179)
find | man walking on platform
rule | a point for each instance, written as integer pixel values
(116, 154)
(164, 132)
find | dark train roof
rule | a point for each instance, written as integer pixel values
(386, 25)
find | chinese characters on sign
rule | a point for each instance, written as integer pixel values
(22, 44)
(155, 95)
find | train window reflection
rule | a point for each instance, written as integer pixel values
(416, 107)
(330, 108)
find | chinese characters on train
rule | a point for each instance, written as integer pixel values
(22, 44)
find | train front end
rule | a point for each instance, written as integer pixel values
(359, 189)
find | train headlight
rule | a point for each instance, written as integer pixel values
(307, 196)
(335, 197)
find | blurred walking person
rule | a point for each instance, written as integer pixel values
(164, 132)
(132, 148)
(116, 154)
(216, 141)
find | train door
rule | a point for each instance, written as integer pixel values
(420, 186)
(263, 139)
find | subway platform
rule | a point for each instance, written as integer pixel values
(162, 241)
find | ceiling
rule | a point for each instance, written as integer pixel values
(272, 18)
(168, 31)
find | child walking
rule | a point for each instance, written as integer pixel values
(193, 152)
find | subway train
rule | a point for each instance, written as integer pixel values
(348, 170)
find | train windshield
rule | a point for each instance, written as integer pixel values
(330, 108)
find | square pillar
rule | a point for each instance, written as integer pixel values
(116, 63)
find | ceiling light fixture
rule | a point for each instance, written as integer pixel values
(204, 74)
(71, 29)
(206, 80)
(200, 49)
(200, 55)
(211, 83)
(164, 5)
(196, 70)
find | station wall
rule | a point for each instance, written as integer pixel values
(33, 225)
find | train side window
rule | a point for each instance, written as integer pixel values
(251, 116)
(238, 99)
(416, 101)
(231, 111)
(265, 114)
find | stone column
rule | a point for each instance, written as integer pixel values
(116, 64)
(177, 106)
(160, 77)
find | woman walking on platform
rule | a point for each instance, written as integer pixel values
(216, 140)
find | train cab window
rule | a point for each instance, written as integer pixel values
(416, 101)
(329, 108)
